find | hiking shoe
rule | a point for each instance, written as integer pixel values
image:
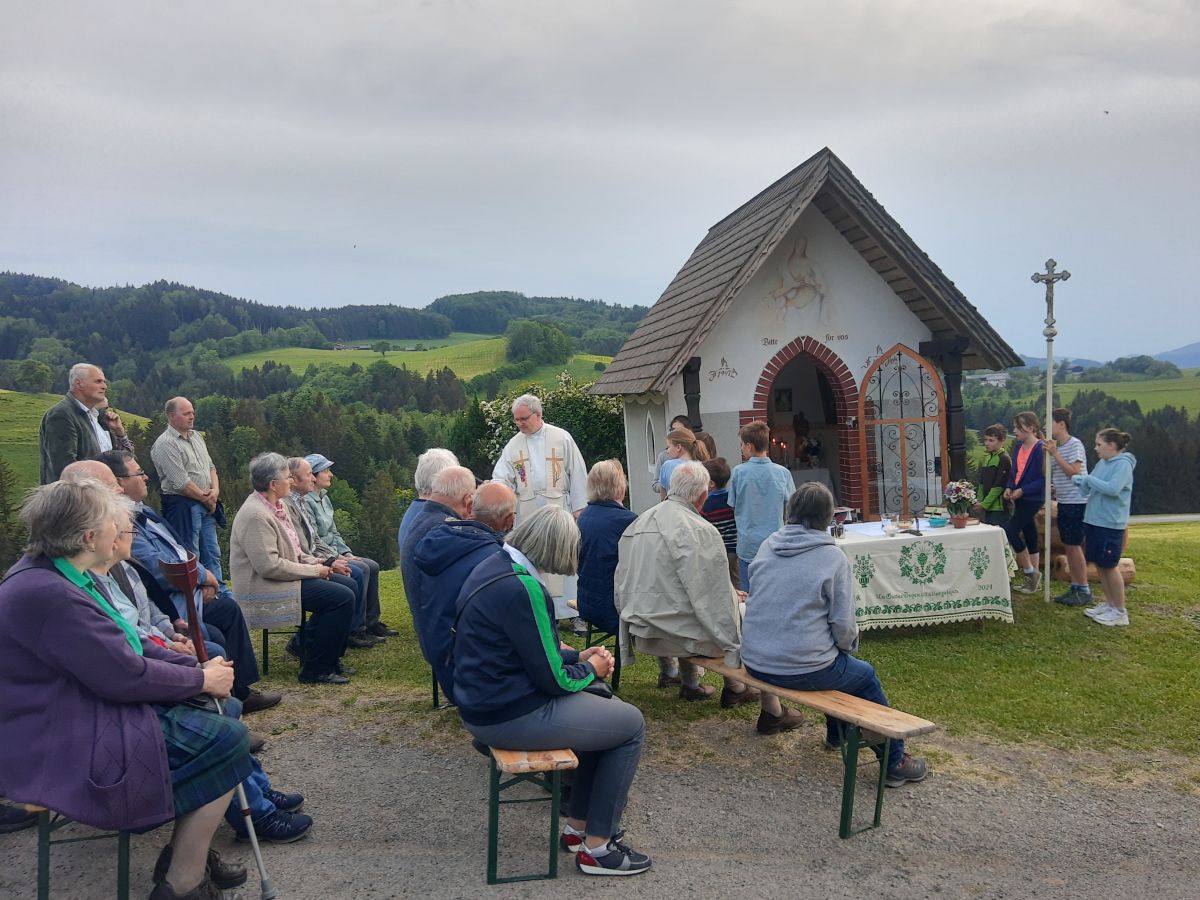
(287, 802)
(257, 701)
(730, 698)
(699, 692)
(619, 860)
(769, 724)
(1074, 597)
(224, 875)
(665, 680)
(278, 828)
(257, 742)
(205, 890)
(1098, 610)
(1112, 616)
(1030, 582)
(910, 768)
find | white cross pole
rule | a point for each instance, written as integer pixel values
(1049, 278)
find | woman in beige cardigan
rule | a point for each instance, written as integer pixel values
(273, 579)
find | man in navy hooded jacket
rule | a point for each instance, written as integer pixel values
(447, 555)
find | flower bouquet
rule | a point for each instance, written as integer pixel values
(960, 500)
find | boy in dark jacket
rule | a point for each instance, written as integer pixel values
(993, 477)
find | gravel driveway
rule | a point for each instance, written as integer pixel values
(399, 800)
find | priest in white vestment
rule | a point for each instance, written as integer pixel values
(543, 466)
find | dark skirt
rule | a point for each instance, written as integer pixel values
(208, 754)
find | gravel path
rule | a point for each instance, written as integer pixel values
(400, 804)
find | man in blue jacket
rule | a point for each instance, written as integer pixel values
(447, 554)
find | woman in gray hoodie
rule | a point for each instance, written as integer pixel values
(799, 631)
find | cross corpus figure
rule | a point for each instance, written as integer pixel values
(1048, 278)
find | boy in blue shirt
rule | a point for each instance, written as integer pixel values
(758, 492)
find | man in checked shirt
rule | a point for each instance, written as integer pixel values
(191, 491)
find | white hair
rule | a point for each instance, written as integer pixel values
(429, 464)
(454, 482)
(550, 539)
(530, 402)
(79, 372)
(689, 481)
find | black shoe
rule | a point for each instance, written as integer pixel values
(257, 742)
(342, 669)
(327, 678)
(13, 818)
(279, 828)
(224, 875)
(293, 646)
(205, 890)
(257, 701)
(359, 641)
(290, 803)
(381, 629)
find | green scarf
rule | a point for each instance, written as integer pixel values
(84, 580)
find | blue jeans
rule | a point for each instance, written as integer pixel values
(847, 674)
(258, 782)
(204, 539)
(362, 577)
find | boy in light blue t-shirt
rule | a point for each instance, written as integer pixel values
(758, 492)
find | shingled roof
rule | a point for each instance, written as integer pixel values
(734, 249)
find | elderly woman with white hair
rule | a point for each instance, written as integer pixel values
(517, 688)
(600, 528)
(274, 579)
(96, 726)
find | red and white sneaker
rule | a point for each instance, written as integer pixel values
(619, 860)
(572, 843)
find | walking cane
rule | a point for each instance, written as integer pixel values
(183, 577)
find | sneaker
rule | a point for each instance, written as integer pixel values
(1030, 582)
(699, 692)
(665, 680)
(910, 768)
(731, 698)
(572, 843)
(619, 860)
(1074, 597)
(1112, 616)
(769, 724)
(287, 802)
(1098, 610)
(279, 828)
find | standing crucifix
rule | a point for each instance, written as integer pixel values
(1048, 278)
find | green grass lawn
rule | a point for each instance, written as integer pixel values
(467, 358)
(1150, 395)
(1052, 677)
(581, 366)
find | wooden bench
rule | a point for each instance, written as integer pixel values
(48, 823)
(857, 715)
(541, 767)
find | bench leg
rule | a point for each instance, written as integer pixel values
(851, 743)
(555, 793)
(493, 817)
(123, 866)
(266, 666)
(43, 860)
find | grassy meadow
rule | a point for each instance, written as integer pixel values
(468, 355)
(1052, 679)
(1150, 395)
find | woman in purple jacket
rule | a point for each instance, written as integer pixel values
(95, 727)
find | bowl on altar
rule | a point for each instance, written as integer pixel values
(938, 521)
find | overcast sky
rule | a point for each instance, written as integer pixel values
(392, 151)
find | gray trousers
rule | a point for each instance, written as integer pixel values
(606, 735)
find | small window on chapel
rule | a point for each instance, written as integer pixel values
(651, 445)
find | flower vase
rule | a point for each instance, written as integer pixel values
(959, 520)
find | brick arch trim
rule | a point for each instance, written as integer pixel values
(845, 396)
